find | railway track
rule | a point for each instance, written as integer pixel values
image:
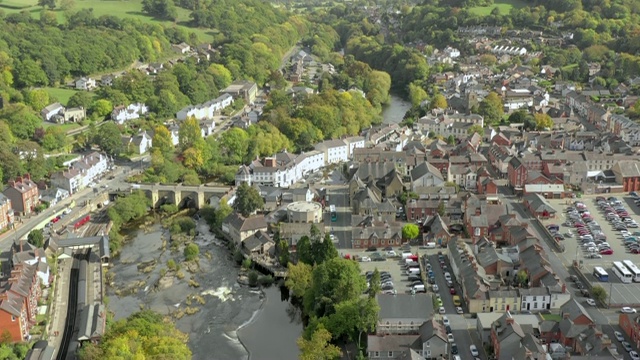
(72, 307)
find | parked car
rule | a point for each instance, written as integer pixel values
(365, 259)
(459, 310)
(450, 338)
(442, 310)
(606, 252)
(618, 335)
(591, 302)
(628, 310)
(474, 350)
(627, 346)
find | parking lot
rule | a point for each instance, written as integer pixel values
(621, 294)
(459, 327)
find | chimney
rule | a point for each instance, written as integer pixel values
(509, 320)
(478, 211)
(18, 179)
(12, 183)
(564, 288)
(565, 315)
(592, 326)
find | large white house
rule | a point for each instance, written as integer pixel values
(122, 113)
(91, 167)
(335, 151)
(207, 110)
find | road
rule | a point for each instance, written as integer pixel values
(341, 228)
(28, 223)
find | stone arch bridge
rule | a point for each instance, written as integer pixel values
(181, 195)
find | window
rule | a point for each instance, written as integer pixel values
(376, 354)
(13, 318)
(390, 354)
(428, 344)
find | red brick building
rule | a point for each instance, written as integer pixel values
(627, 173)
(19, 301)
(517, 173)
(630, 324)
(23, 193)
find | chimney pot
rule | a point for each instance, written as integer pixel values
(510, 321)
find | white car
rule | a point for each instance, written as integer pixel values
(474, 350)
(591, 249)
(450, 338)
(365, 259)
(435, 288)
(441, 310)
(618, 335)
(391, 253)
(628, 310)
(634, 355)
(459, 310)
(445, 321)
(591, 302)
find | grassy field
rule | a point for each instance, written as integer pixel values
(121, 8)
(503, 5)
(62, 95)
(66, 127)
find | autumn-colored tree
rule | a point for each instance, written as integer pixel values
(439, 102)
(162, 140)
(543, 121)
(319, 346)
(192, 158)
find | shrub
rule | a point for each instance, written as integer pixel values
(171, 264)
(169, 208)
(253, 278)
(266, 280)
(237, 256)
(191, 252)
(246, 264)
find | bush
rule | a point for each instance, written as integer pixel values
(191, 252)
(238, 257)
(246, 263)
(266, 280)
(253, 278)
(171, 264)
(169, 209)
(182, 224)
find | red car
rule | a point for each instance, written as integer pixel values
(452, 291)
(606, 252)
(635, 251)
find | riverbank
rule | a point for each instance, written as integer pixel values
(395, 111)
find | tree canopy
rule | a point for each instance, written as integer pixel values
(143, 335)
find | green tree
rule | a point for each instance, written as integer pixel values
(303, 250)
(406, 196)
(451, 140)
(417, 94)
(491, 108)
(353, 318)
(189, 133)
(37, 99)
(54, 138)
(439, 102)
(234, 146)
(334, 281)
(143, 335)
(522, 278)
(109, 139)
(517, 117)
(248, 200)
(283, 252)
(374, 284)
(36, 238)
(101, 108)
(192, 158)
(599, 294)
(476, 129)
(543, 121)
(298, 278)
(323, 249)
(29, 73)
(191, 252)
(51, 4)
(318, 347)
(222, 76)
(410, 231)
(81, 99)
(162, 140)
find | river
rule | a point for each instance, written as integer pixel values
(394, 112)
(229, 309)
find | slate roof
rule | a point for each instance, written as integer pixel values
(628, 168)
(538, 203)
(101, 241)
(405, 306)
(241, 223)
(574, 309)
(424, 169)
(92, 322)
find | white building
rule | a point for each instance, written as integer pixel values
(85, 83)
(207, 110)
(91, 167)
(281, 170)
(70, 180)
(336, 151)
(353, 142)
(120, 114)
(451, 52)
(535, 299)
(462, 175)
(50, 111)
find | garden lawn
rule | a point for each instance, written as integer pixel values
(552, 317)
(503, 5)
(63, 95)
(66, 127)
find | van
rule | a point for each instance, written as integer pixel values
(418, 288)
(406, 254)
(456, 300)
(430, 245)
(413, 271)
